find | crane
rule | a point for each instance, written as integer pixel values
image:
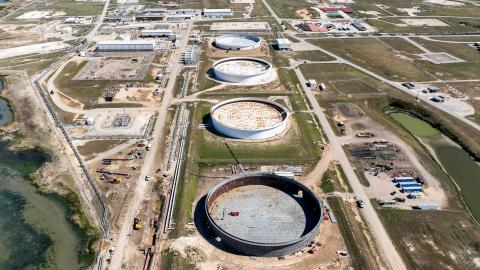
(236, 160)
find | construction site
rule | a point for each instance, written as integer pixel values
(263, 215)
(257, 134)
(246, 118)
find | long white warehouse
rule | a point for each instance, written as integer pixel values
(249, 118)
(125, 45)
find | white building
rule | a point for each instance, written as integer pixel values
(156, 33)
(125, 45)
(217, 12)
(312, 83)
(283, 44)
(70, 20)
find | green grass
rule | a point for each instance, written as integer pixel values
(455, 71)
(286, 8)
(170, 260)
(400, 44)
(358, 257)
(362, 178)
(343, 79)
(430, 239)
(330, 181)
(31, 63)
(97, 146)
(86, 91)
(82, 90)
(312, 56)
(375, 56)
(259, 10)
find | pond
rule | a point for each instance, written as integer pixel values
(455, 160)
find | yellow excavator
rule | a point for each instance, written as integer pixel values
(137, 224)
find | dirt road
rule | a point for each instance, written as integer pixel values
(384, 243)
(147, 168)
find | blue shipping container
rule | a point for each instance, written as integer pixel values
(409, 185)
(412, 189)
(403, 179)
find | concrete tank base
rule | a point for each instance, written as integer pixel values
(263, 215)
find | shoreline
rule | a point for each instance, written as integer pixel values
(87, 235)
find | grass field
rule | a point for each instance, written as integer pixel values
(70, 7)
(400, 44)
(312, 56)
(433, 239)
(454, 25)
(286, 8)
(31, 63)
(353, 87)
(82, 90)
(353, 235)
(343, 79)
(375, 56)
(460, 38)
(455, 71)
(97, 146)
(298, 144)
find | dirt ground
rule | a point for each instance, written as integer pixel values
(303, 13)
(405, 161)
(12, 35)
(207, 256)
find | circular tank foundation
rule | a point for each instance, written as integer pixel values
(243, 70)
(237, 42)
(263, 214)
(249, 118)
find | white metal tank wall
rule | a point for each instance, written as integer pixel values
(237, 42)
(260, 77)
(249, 134)
(245, 79)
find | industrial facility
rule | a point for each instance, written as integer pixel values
(237, 42)
(125, 45)
(217, 12)
(249, 118)
(243, 70)
(261, 214)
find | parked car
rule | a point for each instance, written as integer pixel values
(360, 204)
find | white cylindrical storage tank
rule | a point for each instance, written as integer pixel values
(249, 118)
(243, 70)
(237, 42)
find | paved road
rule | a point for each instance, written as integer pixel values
(387, 249)
(389, 254)
(99, 22)
(147, 168)
(397, 85)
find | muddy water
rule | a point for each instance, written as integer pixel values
(5, 113)
(456, 161)
(35, 233)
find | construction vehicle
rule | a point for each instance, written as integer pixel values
(115, 180)
(137, 224)
(234, 157)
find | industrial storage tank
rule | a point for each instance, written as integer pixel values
(261, 214)
(237, 42)
(249, 118)
(242, 70)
